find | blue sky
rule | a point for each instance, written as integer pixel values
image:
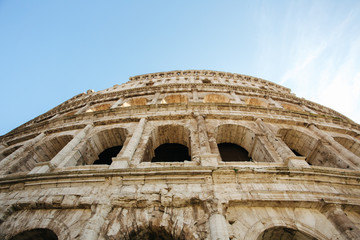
(53, 50)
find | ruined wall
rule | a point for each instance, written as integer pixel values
(300, 180)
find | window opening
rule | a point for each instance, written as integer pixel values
(39, 234)
(231, 152)
(106, 156)
(171, 152)
(296, 153)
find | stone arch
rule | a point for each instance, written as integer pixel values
(135, 102)
(167, 134)
(255, 232)
(275, 233)
(245, 138)
(99, 107)
(175, 98)
(99, 142)
(41, 152)
(9, 151)
(216, 98)
(138, 223)
(17, 224)
(350, 144)
(313, 149)
(256, 102)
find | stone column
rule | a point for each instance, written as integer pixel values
(217, 221)
(123, 159)
(10, 160)
(195, 95)
(218, 228)
(83, 109)
(348, 155)
(274, 103)
(117, 103)
(206, 157)
(3, 146)
(235, 97)
(308, 109)
(280, 147)
(155, 99)
(93, 226)
(341, 221)
(64, 155)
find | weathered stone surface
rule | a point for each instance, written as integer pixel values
(49, 180)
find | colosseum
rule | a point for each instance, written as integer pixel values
(183, 155)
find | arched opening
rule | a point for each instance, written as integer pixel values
(296, 153)
(105, 157)
(38, 234)
(135, 102)
(41, 153)
(101, 107)
(216, 98)
(315, 152)
(284, 233)
(102, 146)
(349, 144)
(152, 233)
(242, 137)
(177, 98)
(8, 151)
(165, 142)
(171, 152)
(231, 152)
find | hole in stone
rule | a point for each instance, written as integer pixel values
(106, 156)
(152, 233)
(276, 233)
(38, 234)
(296, 153)
(171, 152)
(231, 152)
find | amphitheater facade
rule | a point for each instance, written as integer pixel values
(183, 155)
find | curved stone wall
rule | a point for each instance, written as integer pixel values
(300, 180)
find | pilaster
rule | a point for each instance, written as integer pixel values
(280, 147)
(66, 155)
(124, 157)
(93, 226)
(341, 221)
(206, 157)
(7, 163)
(347, 155)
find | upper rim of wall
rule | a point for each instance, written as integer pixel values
(129, 88)
(207, 73)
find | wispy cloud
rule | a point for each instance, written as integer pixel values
(324, 65)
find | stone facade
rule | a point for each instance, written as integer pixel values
(301, 179)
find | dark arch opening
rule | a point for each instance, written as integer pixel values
(296, 153)
(284, 233)
(38, 234)
(152, 234)
(171, 152)
(105, 157)
(231, 152)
